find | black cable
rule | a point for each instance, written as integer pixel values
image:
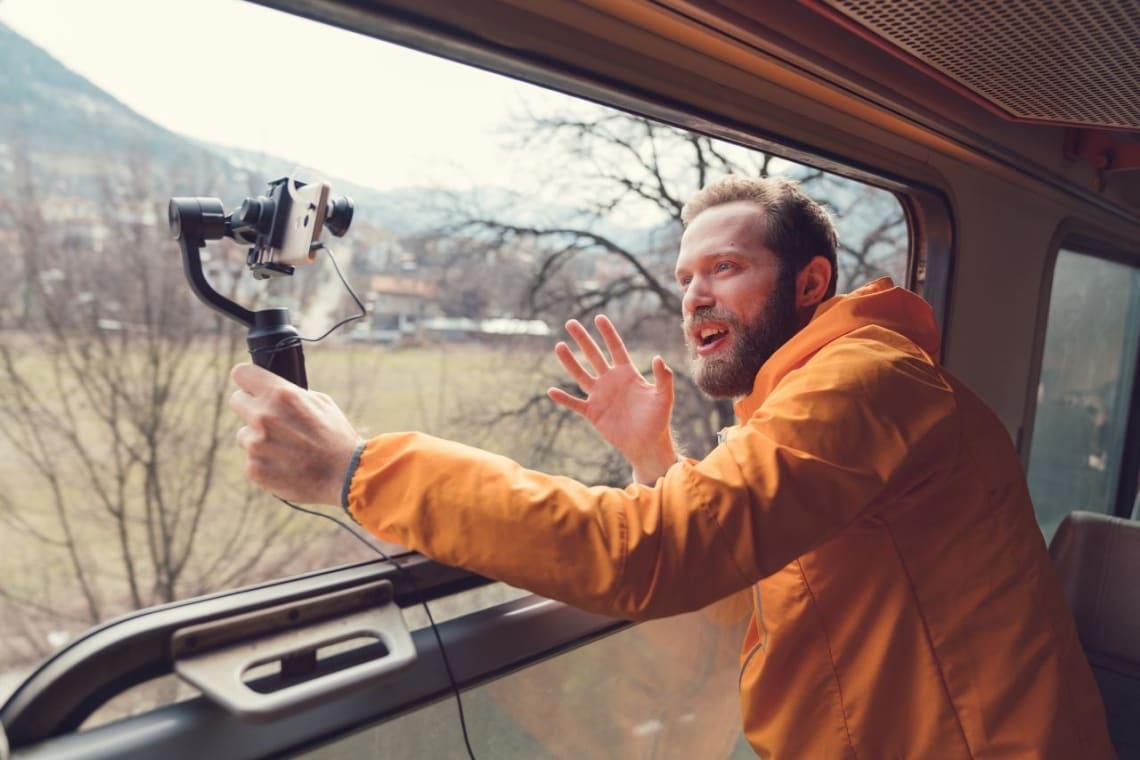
(290, 342)
(359, 304)
(282, 345)
(423, 602)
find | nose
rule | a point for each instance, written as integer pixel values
(698, 295)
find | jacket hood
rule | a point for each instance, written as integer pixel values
(879, 303)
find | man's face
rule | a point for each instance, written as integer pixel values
(737, 307)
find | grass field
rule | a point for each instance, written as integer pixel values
(449, 390)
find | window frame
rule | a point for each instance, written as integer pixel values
(44, 714)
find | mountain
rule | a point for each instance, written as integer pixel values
(76, 138)
(47, 107)
(78, 141)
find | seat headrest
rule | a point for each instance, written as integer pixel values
(1098, 560)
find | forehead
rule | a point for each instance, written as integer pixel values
(735, 228)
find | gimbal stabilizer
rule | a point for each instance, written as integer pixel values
(282, 228)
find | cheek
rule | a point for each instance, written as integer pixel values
(747, 301)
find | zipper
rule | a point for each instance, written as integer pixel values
(762, 644)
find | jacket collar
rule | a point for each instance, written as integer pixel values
(878, 303)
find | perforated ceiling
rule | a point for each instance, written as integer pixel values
(1070, 61)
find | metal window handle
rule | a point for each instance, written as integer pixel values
(215, 656)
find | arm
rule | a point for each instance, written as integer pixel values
(631, 414)
(836, 440)
(857, 426)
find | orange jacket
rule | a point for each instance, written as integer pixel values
(905, 605)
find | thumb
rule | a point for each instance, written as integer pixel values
(254, 380)
(662, 375)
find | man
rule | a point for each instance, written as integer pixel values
(905, 606)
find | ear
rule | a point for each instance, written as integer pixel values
(812, 283)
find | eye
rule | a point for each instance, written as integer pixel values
(683, 281)
(724, 266)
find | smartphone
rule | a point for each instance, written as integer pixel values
(303, 226)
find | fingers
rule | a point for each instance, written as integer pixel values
(258, 467)
(323, 398)
(587, 346)
(255, 380)
(260, 389)
(247, 437)
(612, 339)
(573, 367)
(267, 404)
(246, 406)
(562, 398)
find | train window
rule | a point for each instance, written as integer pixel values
(666, 688)
(1085, 387)
(120, 488)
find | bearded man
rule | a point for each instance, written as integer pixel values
(905, 605)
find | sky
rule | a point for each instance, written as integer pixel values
(235, 73)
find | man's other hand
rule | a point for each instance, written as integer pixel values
(299, 442)
(629, 412)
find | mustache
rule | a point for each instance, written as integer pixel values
(708, 314)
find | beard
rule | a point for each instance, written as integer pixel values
(733, 373)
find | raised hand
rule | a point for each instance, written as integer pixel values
(632, 414)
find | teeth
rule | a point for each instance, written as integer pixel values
(708, 331)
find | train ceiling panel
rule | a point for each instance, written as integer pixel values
(1063, 62)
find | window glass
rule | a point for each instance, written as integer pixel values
(487, 212)
(663, 689)
(1085, 386)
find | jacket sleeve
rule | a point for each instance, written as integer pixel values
(860, 422)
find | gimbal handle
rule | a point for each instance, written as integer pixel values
(275, 345)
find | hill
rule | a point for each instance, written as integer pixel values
(76, 141)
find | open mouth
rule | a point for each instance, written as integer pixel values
(710, 335)
(708, 338)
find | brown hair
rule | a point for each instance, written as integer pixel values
(796, 228)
